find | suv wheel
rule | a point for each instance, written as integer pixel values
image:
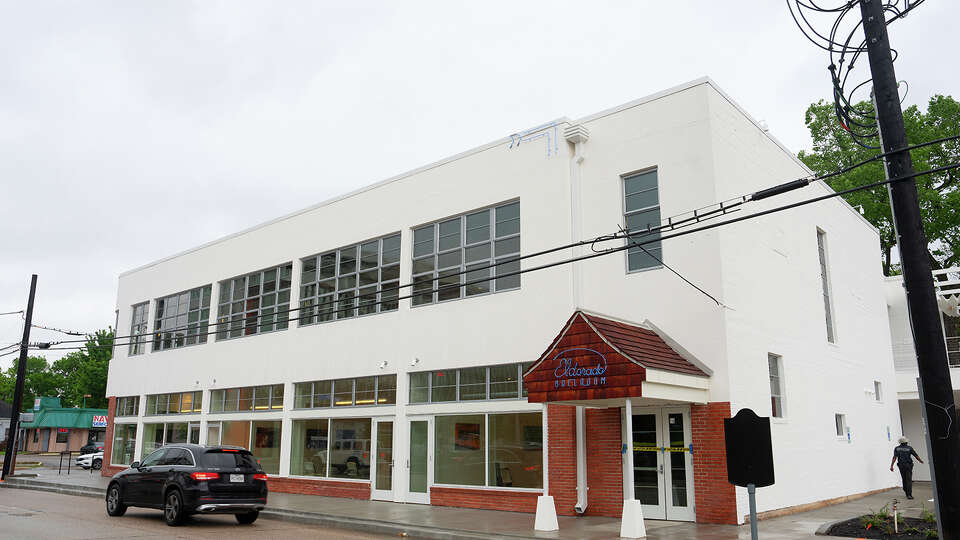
(248, 518)
(97, 464)
(115, 506)
(173, 508)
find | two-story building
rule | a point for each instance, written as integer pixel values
(384, 344)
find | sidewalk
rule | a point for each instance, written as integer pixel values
(424, 521)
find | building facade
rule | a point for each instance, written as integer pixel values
(383, 345)
(61, 429)
(947, 283)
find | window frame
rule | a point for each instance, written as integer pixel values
(311, 314)
(66, 436)
(139, 329)
(840, 424)
(623, 212)
(280, 314)
(202, 326)
(353, 400)
(195, 409)
(121, 406)
(462, 271)
(274, 402)
(878, 391)
(521, 389)
(823, 257)
(776, 360)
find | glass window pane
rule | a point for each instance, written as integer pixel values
(419, 387)
(508, 282)
(230, 397)
(444, 386)
(460, 450)
(391, 250)
(449, 259)
(124, 444)
(473, 383)
(477, 253)
(423, 289)
(328, 265)
(448, 285)
(643, 199)
(641, 221)
(246, 399)
(266, 445)
(276, 396)
(261, 398)
(640, 182)
(350, 448)
(639, 259)
(302, 392)
(322, 393)
(343, 393)
(152, 438)
(308, 452)
(386, 390)
(516, 450)
(348, 260)
(508, 219)
(235, 434)
(480, 287)
(369, 255)
(478, 227)
(423, 265)
(507, 247)
(449, 234)
(503, 382)
(423, 241)
(365, 392)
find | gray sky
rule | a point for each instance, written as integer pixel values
(133, 130)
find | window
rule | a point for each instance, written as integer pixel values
(63, 434)
(124, 444)
(346, 282)
(775, 367)
(154, 458)
(825, 283)
(877, 390)
(138, 329)
(255, 303)
(350, 448)
(128, 406)
(246, 399)
(182, 319)
(841, 422)
(468, 384)
(179, 403)
(468, 243)
(157, 435)
(375, 390)
(504, 450)
(308, 454)
(641, 211)
(261, 438)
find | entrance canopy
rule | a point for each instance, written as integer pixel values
(598, 361)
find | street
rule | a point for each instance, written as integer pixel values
(33, 514)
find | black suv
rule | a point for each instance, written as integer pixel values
(185, 479)
(91, 448)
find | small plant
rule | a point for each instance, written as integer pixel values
(927, 515)
(931, 533)
(911, 530)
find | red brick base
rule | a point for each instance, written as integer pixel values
(108, 439)
(487, 499)
(605, 480)
(328, 488)
(716, 499)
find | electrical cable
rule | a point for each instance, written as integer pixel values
(631, 244)
(12, 312)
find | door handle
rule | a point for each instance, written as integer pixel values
(660, 468)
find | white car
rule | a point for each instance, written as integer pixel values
(94, 460)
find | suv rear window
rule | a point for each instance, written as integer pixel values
(221, 459)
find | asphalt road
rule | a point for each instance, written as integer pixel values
(26, 514)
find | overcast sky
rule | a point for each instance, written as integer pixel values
(134, 130)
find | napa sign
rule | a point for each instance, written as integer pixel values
(570, 373)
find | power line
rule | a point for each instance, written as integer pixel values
(12, 312)
(632, 236)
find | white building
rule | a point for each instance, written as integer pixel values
(420, 400)
(947, 283)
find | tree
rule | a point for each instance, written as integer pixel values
(939, 194)
(39, 381)
(85, 372)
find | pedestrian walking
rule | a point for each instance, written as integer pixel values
(903, 456)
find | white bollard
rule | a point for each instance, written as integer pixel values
(546, 514)
(631, 525)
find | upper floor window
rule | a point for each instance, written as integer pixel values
(249, 398)
(448, 256)
(840, 421)
(468, 384)
(373, 390)
(775, 368)
(254, 303)
(177, 403)
(878, 390)
(641, 210)
(346, 282)
(825, 283)
(128, 406)
(182, 319)
(138, 329)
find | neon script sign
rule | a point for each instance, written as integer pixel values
(569, 373)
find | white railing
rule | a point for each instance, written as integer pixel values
(953, 351)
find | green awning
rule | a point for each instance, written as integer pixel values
(64, 418)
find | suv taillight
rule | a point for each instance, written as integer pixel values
(200, 476)
(260, 477)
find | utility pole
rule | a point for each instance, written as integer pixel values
(11, 453)
(942, 429)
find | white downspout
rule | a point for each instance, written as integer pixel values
(582, 488)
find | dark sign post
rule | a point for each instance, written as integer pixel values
(749, 456)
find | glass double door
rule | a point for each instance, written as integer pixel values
(663, 463)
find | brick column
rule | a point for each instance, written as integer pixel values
(562, 457)
(106, 469)
(605, 477)
(716, 499)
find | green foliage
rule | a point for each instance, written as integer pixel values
(927, 515)
(69, 378)
(939, 194)
(931, 533)
(879, 520)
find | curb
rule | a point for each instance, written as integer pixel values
(344, 522)
(824, 530)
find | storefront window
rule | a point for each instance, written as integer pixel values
(124, 444)
(419, 387)
(460, 442)
(152, 438)
(473, 384)
(444, 386)
(235, 434)
(308, 453)
(266, 445)
(503, 382)
(350, 448)
(63, 434)
(468, 384)
(516, 450)
(386, 390)
(366, 391)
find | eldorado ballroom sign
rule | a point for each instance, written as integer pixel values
(570, 373)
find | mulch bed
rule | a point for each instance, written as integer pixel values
(853, 528)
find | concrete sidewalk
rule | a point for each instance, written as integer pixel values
(424, 521)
